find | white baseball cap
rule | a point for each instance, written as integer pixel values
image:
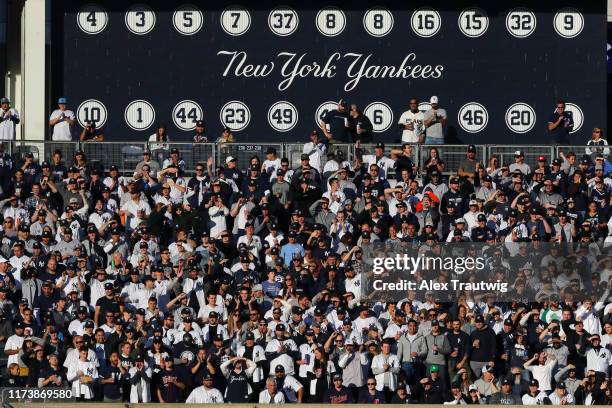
(229, 159)
(433, 99)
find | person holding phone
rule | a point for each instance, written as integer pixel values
(560, 124)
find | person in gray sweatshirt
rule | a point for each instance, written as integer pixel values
(438, 347)
(411, 350)
(352, 362)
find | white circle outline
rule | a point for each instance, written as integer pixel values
(245, 124)
(237, 8)
(378, 9)
(128, 122)
(473, 9)
(526, 10)
(532, 111)
(333, 9)
(174, 116)
(484, 125)
(99, 125)
(180, 9)
(297, 20)
(144, 6)
(390, 110)
(317, 118)
(101, 9)
(426, 9)
(568, 10)
(297, 116)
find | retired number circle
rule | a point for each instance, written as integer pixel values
(140, 19)
(282, 116)
(235, 115)
(235, 20)
(520, 117)
(568, 22)
(521, 22)
(473, 22)
(92, 19)
(426, 22)
(473, 117)
(331, 21)
(378, 22)
(92, 110)
(139, 114)
(577, 115)
(322, 111)
(283, 21)
(188, 19)
(381, 116)
(186, 113)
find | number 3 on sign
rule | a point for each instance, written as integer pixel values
(473, 117)
(235, 115)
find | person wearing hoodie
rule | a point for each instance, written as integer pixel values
(411, 350)
(438, 347)
(505, 396)
(483, 346)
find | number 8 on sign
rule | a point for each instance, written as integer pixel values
(282, 116)
(235, 115)
(380, 115)
(473, 117)
(331, 21)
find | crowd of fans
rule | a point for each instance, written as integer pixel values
(250, 284)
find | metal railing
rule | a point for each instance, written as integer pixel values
(126, 155)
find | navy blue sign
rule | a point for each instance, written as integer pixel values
(270, 71)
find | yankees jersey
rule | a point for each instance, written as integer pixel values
(416, 119)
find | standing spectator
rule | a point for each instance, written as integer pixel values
(361, 126)
(560, 124)
(62, 121)
(594, 146)
(200, 133)
(158, 142)
(338, 122)
(315, 149)
(483, 346)
(9, 118)
(435, 123)
(411, 123)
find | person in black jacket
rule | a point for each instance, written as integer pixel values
(370, 395)
(483, 346)
(426, 394)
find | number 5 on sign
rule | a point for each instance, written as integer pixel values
(473, 117)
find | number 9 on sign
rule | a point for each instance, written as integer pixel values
(235, 115)
(473, 117)
(380, 115)
(139, 115)
(282, 116)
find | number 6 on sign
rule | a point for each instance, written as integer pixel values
(380, 115)
(473, 117)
